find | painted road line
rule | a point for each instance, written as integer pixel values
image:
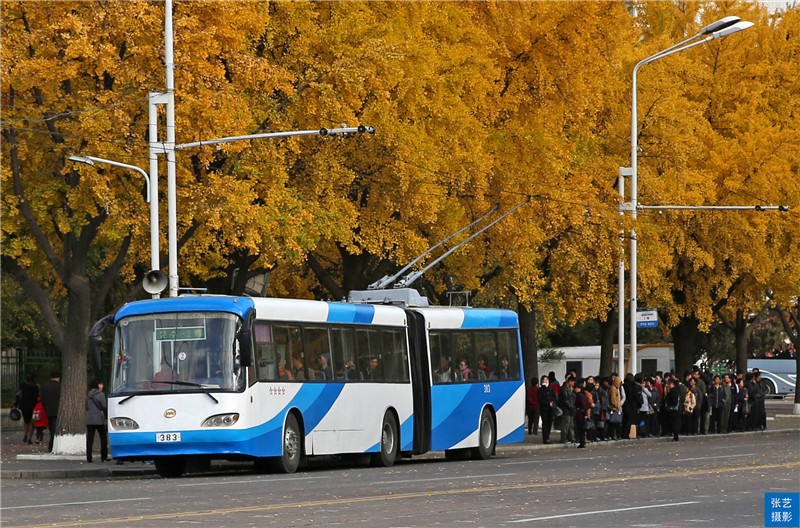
(45, 505)
(596, 512)
(710, 457)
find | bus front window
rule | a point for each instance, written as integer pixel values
(176, 352)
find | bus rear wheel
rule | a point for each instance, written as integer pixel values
(487, 438)
(170, 467)
(389, 442)
(292, 447)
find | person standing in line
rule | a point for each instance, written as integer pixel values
(96, 409)
(740, 411)
(761, 402)
(566, 400)
(645, 407)
(730, 393)
(631, 405)
(532, 406)
(703, 413)
(39, 421)
(583, 408)
(673, 408)
(605, 409)
(754, 395)
(716, 402)
(547, 400)
(27, 398)
(615, 406)
(554, 384)
(690, 408)
(51, 397)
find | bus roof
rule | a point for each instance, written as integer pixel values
(462, 317)
(188, 303)
(273, 309)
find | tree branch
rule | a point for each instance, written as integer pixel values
(27, 213)
(39, 296)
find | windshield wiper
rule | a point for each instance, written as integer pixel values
(184, 383)
(190, 384)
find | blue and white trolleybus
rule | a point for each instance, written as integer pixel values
(206, 377)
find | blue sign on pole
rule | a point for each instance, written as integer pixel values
(647, 319)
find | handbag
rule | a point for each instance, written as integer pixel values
(557, 411)
(590, 426)
(15, 415)
(616, 418)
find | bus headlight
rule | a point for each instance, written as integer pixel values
(124, 424)
(221, 420)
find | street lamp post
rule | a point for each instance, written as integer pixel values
(721, 28)
(152, 199)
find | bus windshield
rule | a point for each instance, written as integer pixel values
(183, 351)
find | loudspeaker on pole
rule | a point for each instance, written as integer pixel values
(155, 281)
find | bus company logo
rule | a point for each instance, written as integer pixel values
(170, 413)
(277, 391)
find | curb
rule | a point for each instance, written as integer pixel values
(102, 472)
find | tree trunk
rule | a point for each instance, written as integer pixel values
(741, 336)
(527, 332)
(685, 336)
(71, 434)
(608, 330)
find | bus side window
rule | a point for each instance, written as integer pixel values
(509, 348)
(368, 343)
(316, 345)
(442, 369)
(486, 345)
(265, 365)
(344, 353)
(395, 366)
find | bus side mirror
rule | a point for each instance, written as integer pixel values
(245, 348)
(96, 338)
(245, 340)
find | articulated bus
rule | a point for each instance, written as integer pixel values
(206, 377)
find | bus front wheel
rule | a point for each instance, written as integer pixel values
(292, 447)
(389, 442)
(487, 439)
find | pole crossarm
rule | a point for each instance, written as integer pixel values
(717, 207)
(317, 132)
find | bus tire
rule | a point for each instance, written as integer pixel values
(769, 388)
(292, 447)
(389, 444)
(170, 467)
(487, 437)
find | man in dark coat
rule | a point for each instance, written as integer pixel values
(51, 397)
(547, 400)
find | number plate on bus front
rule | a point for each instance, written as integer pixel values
(168, 437)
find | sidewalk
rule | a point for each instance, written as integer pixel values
(31, 461)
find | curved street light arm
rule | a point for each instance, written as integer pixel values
(91, 160)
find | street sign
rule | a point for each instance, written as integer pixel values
(647, 319)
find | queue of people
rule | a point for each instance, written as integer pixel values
(39, 409)
(610, 408)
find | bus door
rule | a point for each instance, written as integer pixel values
(420, 381)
